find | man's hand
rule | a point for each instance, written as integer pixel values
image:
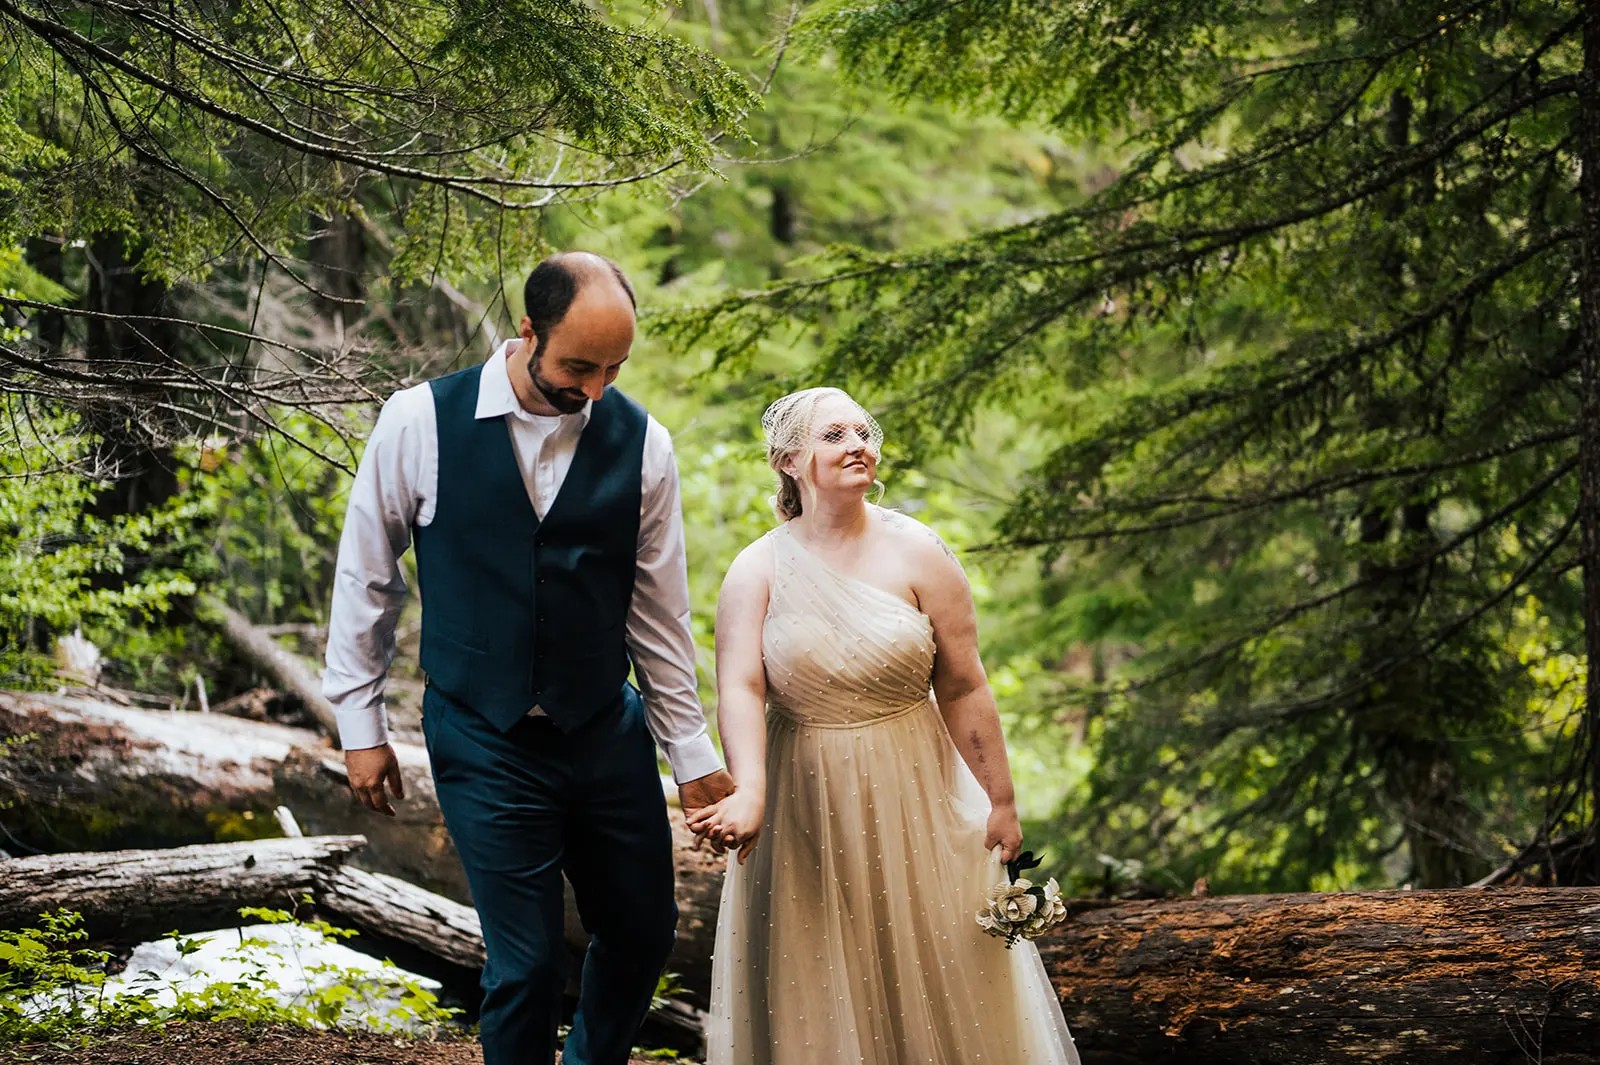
(733, 822)
(369, 769)
(696, 794)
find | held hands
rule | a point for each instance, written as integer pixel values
(733, 822)
(1004, 831)
(695, 795)
(369, 769)
(704, 808)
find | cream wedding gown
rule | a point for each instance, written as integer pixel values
(848, 937)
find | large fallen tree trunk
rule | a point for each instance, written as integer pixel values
(134, 895)
(93, 775)
(96, 776)
(1408, 977)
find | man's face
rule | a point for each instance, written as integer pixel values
(584, 352)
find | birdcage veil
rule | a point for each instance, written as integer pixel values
(791, 427)
(789, 422)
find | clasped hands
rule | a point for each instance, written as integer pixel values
(721, 815)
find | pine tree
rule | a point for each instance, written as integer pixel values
(1320, 370)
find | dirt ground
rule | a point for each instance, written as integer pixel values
(230, 1043)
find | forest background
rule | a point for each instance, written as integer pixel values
(1243, 351)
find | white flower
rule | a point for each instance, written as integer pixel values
(1012, 903)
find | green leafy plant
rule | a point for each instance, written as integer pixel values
(54, 988)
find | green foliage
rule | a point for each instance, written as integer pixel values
(218, 130)
(53, 989)
(18, 279)
(267, 514)
(1298, 382)
(56, 551)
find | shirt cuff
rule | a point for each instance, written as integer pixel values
(693, 759)
(359, 729)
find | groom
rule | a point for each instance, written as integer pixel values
(545, 514)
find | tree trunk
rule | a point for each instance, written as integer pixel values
(1589, 427)
(97, 776)
(1407, 977)
(1402, 719)
(134, 895)
(131, 449)
(44, 255)
(285, 668)
(378, 903)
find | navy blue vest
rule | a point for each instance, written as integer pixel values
(518, 612)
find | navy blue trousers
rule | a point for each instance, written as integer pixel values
(526, 806)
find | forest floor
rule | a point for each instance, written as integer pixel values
(231, 1043)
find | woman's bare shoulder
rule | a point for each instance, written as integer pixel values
(912, 536)
(752, 566)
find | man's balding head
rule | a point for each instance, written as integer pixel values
(577, 330)
(555, 284)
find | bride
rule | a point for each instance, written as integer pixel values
(868, 815)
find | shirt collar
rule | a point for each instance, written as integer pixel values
(496, 398)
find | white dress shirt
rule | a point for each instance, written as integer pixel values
(396, 487)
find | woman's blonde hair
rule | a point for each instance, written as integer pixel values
(788, 425)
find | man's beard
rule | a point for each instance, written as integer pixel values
(567, 401)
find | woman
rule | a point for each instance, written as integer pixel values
(847, 934)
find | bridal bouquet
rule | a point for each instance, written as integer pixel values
(1017, 908)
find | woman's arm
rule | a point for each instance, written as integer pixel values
(960, 686)
(741, 701)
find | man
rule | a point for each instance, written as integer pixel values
(545, 513)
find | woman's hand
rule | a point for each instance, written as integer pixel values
(734, 821)
(1004, 831)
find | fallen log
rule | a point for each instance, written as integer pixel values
(131, 896)
(388, 906)
(93, 775)
(1501, 975)
(97, 776)
(286, 669)
(135, 895)
(1403, 977)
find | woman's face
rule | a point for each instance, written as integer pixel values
(844, 456)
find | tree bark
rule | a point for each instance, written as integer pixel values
(1589, 429)
(132, 449)
(1403, 977)
(135, 895)
(97, 776)
(378, 903)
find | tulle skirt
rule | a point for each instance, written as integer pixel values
(849, 936)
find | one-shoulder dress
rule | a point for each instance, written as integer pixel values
(849, 936)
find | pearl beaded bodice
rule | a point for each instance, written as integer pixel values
(840, 653)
